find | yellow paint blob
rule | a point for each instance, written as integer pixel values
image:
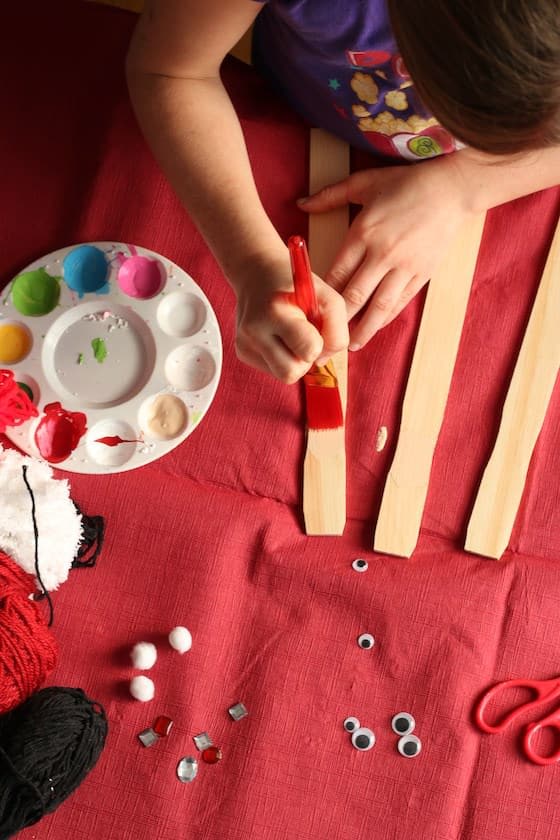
(15, 343)
(167, 417)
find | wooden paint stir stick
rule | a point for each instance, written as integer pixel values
(529, 393)
(324, 467)
(425, 399)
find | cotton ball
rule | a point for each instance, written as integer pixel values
(142, 688)
(180, 639)
(143, 655)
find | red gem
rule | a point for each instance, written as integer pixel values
(162, 726)
(211, 755)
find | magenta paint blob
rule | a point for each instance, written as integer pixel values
(140, 277)
(59, 432)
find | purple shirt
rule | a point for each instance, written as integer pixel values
(337, 63)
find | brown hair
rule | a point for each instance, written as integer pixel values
(488, 70)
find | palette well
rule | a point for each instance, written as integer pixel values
(119, 350)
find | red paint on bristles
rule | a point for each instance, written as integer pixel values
(322, 397)
(324, 409)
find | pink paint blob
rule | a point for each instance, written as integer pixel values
(140, 277)
(58, 432)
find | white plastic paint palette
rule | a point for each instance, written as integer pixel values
(116, 333)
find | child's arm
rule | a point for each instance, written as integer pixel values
(188, 118)
(409, 216)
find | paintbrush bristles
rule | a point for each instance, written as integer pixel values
(324, 408)
(322, 398)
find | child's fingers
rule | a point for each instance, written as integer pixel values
(381, 307)
(273, 360)
(347, 262)
(282, 363)
(284, 343)
(351, 190)
(280, 352)
(331, 196)
(410, 291)
(335, 323)
(300, 338)
(362, 284)
(251, 358)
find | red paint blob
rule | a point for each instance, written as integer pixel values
(114, 440)
(58, 432)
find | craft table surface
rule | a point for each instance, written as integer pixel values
(210, 536)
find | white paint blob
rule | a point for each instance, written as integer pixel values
(189, 368)
(181, 314)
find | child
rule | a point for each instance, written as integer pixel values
(490, 73)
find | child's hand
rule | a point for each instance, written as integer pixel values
(274, 335)
(409, 216)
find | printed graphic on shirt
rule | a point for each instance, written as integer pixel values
(385, 108)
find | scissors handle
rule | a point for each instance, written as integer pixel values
(552, 721)
(544, 690)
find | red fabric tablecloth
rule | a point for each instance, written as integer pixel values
(210, 536)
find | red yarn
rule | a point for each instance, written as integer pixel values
(28, 649)
(15, 405)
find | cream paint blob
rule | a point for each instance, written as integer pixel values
(381, 439)
(166, 417)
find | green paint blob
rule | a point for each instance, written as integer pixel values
(35, 292)
(26, 389)
(99, 349)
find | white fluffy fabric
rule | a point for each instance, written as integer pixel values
(58, 523)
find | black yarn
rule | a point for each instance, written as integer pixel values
(48, 745)
(93, 533)
(45, 593)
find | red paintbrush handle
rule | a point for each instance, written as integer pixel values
(303, 280)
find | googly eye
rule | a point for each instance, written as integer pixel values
(409, 746)
(351, 724)
(363, 739)
(366, 641)
(360, 565)
(403, 723)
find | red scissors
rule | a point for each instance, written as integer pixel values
(545, 691)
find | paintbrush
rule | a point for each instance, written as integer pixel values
(322, 397)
